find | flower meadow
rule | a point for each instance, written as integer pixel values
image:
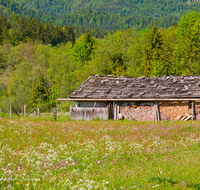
(99, 155)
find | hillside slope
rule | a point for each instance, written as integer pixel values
(106, 14)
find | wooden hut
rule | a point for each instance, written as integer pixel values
(141, 99)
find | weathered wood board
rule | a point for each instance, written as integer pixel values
(80, 113)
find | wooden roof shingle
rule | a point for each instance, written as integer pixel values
(109, 87)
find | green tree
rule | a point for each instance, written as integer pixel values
(69, 34)
(4, 27)
(152, 53)
(57, 35)
(52, 97)
(39, 93)
(116, 53)
(188, 39)
(83, 49)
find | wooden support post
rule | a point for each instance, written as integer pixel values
(38, 112)
(155, 114)
(114, 110)
(54, 114)
(193, 110)
(111, 110)
(10, 111)
(117, 117)
(24, 110)
(35, 112)
(157, 110)
(1, 110)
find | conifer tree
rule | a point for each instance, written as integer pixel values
(83, 49)
(48, 33)
(21, 29)
(152, 54)
(69, 34)
(4, 26)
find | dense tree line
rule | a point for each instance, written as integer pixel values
(35, 73)
(107, 15)
(18, 29)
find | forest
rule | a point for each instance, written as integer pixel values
(103, 14)
(41, 62)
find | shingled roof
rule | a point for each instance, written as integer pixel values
(109, 87)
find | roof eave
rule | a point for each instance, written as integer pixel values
(130, 99)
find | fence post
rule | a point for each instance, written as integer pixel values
(24, 110)
(54, 114)
(38, 112)
(1, 110)
(34, 112)
(10, 111)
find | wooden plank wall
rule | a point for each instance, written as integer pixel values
(80, 113)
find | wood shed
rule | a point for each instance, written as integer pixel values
(140, 99)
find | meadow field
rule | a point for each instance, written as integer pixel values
(37, 153)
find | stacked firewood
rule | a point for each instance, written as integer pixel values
(138, 113)
(175, 111)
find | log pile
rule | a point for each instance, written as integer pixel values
(197, 108)
(175, 111)
(183, 117)
(139, 113)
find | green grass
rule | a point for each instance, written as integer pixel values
(43, 117)
(64, 154)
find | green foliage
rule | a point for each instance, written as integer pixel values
(112, 55)
(160, 179)
(102, 14)
(188, 37)
(52, 97)
(19, 29)
(39, 93)
(34, 73)
(152, 55)
(83, 49)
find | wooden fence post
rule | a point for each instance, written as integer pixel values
(24, 110)
(54, 114)
(1, 110)
(38, 112)
(10, 111)
(35, 112)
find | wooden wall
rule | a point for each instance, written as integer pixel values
(140, 111)
(86, 113)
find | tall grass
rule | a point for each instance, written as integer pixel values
(98, 154)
